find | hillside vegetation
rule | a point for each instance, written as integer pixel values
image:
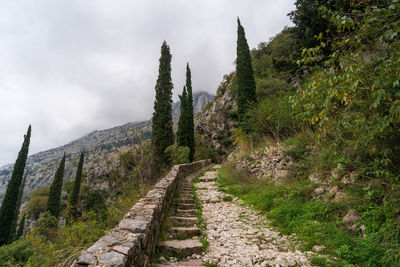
(328, 95)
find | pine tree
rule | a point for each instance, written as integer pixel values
(21, 191)
(53, 203)
(73, 200)
(9, 206)
(182, 133)
(190, 116)
(21, 227)
(244, 74)
(162, 128)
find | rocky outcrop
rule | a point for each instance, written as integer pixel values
(270, 162)
(217, 122)
(132, 242)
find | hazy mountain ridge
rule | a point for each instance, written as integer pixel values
(98, 144)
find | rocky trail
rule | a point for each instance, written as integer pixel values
(236, 235)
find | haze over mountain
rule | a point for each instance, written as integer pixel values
(41, 166)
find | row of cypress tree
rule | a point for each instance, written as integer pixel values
(162, 137)
(162, 127)
(185, 133)
(10, 207)
(162, 124)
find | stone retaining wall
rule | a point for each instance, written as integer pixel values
(132, 242)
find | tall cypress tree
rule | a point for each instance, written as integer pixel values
(182, 133)
(244, 74)
(21, 227)
(53, 203)
(162, 128)
(73, 200)
(190, 116)
(16, 215)
(9, 206)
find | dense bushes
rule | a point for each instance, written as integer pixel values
(37, 202)
(177, 154)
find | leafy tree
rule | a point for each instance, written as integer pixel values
(244, 73)
(162, 128)
(53, 203)
(73, 201)
(21, 226)
(9, 206)
(189, 111)
(182, 133)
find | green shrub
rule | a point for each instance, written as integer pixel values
(94, 200)
(37, 202)
(16, 253)
(204, 149)
(178, 154)
(273, 116)
(47, 226)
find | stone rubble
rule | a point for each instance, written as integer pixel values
(271, 162)
(239, 236)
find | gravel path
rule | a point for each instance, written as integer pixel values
(239, 236)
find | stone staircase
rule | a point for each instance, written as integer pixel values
(182, 234)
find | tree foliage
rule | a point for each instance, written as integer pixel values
(182, 134)
(17, 210)
(21, 227)
(72, 209)
(357, 101)
(10, 201)
(244, 74)
(162, 128)
(190, 115)
(53, 202)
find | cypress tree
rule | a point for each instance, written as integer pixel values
(21, 227)
(9, 206)
(244, 74)
(21, 191)
(162, 128)
(73, 200)
(182, 133)
(53, 203)
(190, 116)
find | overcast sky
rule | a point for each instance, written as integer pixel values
(69, 67)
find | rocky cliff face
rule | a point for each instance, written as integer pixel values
(99, 145)
(217, 122)
(200, 100)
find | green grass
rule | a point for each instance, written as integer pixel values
(292, 209)
(227, 199)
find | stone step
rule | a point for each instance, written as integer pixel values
(207, 178)
(184, 200)
(184, 232)
(191, 193)
(185, 213)
(184, 263)
(186, 195)
(185, 188)
(183, 221)
(184, 248)
(184, 206)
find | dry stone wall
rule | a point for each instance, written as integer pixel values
(132, 242)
